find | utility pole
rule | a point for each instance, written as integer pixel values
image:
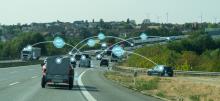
(158, 19)
(201, 18)
(167, 15)
(215, 21)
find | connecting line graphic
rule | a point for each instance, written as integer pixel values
(134, 54)
(96, 37)
(119, 43)
(142, 57)
(41, 43)
(52, 42)
(82, 42)
(123, 40)
(78, 50)
(127, 40)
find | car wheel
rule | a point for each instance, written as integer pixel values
(160, 74)
(148, 73)
(171, 75)
(70, 83)
(43, 82)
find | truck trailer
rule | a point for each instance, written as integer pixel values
(28, 54)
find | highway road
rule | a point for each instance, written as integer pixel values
(23, 84)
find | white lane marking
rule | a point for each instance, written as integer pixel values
(87, 95)
(34, 77)
(14, 83)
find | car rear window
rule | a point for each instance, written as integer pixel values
(168, 68)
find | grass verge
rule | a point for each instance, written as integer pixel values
(173, 89)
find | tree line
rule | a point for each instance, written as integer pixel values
(199, 52)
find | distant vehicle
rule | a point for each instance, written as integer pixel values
(87, 56)
(161, 70)
(171, 38)
(104, 62)
(77, 57)
(30, 54)
(99, 57)
(109, 51)
(85, 63)
(57, 72)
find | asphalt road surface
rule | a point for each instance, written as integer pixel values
(23, 84)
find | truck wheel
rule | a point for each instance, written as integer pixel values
(43, 82)
(70, 83)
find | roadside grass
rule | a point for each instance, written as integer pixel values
(15, 64)
(161, 94)
(195, 97)
(174, 89)
(142, 84)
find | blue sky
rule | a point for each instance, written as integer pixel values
(179, 11)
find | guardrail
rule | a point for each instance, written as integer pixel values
(142, 71)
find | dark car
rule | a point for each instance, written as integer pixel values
(87, 56)
(104, 62)
(57, 70)
(161, 70)
(85, 63)
(77, 57)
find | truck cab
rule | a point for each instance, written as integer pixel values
(57, 70)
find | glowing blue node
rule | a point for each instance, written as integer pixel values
(118, 51)
(143, 36)
(70, 53)
(72, 59)
(104, 45)
(29, 47)
(91, 43)
(58, 42)
(83, 57)
(58, 60)
(98, 56)
(132, 44)
(168, 38)
(101, 36)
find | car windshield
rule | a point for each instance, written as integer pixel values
(26, 52)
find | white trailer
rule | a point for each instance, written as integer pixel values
(33, 53)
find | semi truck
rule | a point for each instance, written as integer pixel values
(28, 54)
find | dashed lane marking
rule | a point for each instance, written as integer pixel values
(34, 77)
(85, 92)
(14, 83)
